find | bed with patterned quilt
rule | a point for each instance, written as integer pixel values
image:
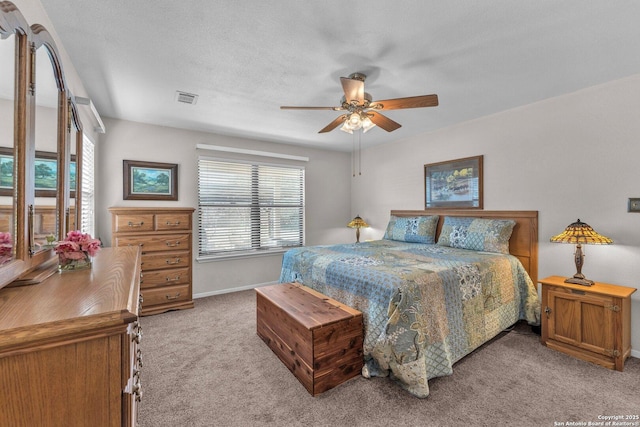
(436, 287)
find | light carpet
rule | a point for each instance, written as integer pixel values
(207, 367)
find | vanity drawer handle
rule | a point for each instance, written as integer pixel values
(173, 224)
(173, 244)
(172, 297)
(135, 224)
(176, 261)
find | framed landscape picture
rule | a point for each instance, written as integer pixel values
(149, 180)
(454, 184)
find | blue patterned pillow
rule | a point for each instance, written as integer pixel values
(415, 229)
(477, 234)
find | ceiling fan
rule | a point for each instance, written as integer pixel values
(362, 112)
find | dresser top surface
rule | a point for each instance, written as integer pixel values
(105, 295)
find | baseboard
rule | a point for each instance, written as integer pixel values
(229, 290)
(635, 353)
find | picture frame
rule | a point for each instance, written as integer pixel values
(149, 180)
(46, 173)
(454, 184)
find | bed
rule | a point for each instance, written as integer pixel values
(438, 285)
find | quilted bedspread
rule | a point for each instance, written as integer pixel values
(424, 306)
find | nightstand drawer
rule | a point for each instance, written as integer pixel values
(163, 260)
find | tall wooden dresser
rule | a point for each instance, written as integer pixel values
(164, 235)
(69, 353)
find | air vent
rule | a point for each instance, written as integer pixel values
(186, 98)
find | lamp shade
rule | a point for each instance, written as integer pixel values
(580, 233)
(357, 222)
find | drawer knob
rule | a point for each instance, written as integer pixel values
(135, 224)
(172, 297)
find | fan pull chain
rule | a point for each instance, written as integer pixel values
(360, 152)
(353, 155)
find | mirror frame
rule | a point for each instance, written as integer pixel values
(28, 40)
(13, 22)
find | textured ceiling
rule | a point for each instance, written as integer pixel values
(246, 58)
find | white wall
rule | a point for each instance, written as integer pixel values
(327, 192)
(574, 156)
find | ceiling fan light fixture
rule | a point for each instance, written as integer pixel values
(367, 124)
(346, 128)
(353, 122)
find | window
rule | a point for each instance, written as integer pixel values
(246, 207)
(87, 214)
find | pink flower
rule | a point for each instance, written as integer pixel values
(5, 238)
(92, 246)
(6, 245)
(76, 244)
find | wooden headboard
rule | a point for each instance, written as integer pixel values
(524, 239)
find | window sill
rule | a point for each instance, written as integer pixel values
(253, 254)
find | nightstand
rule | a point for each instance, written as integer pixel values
(592, 323)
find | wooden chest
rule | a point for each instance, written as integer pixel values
(320, 340)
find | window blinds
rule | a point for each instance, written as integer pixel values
(87, 218)
(248, 206)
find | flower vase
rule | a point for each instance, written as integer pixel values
(71, 261)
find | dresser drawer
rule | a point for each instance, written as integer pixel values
(177, 221)
(125, 223)
(158, 242)
(167, 294)
(172, 276)
(162, 260)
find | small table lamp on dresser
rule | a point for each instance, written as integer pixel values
(357, 223)
(579, 233)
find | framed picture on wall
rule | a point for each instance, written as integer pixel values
(454, 184)
(149, 180)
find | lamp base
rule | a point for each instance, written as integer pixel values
(579, 281)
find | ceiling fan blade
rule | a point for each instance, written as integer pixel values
(286, 107)
(353, 90)
(409, 102)
(384, 122)
(334, 124)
